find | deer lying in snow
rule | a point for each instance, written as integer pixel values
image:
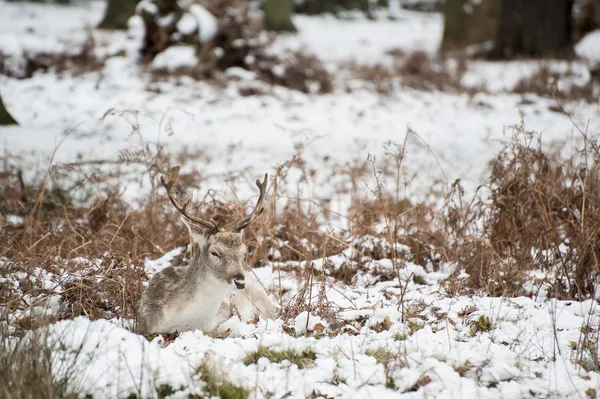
(189, 297)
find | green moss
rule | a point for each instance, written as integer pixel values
(399, 337)
(480, 325)
(381, 355)
(302, 360)
(216, 385)
(573, 345)
(587, 353)
(389, 383)
(414, 326)
(386, 358)
(164, 391)
(419, 280)
(278, 15)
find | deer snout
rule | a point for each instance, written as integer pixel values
(240, 281)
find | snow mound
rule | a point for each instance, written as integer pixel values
(174, 58)
(589, 47)
(207, 22)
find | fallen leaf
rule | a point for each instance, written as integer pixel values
(225, 334)
(424, 380)
(421, 382)
(287, 329)
(386, 323)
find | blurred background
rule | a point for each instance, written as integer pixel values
(237, 85)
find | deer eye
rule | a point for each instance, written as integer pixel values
(215, 254)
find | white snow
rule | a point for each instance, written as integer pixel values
(187, 24)
(527, 350)
(147, 6)
(206, 21)
(365, 41)
(589, 47)
(175, 57)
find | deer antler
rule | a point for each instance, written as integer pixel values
(169, 181)
(262, 187)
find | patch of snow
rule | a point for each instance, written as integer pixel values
(154, 266)
(307, 322)
(175, 57)
(187, 24)
(166, 20)
(208, 25)
(589, 47)
(364, 41)
(15, 220)
(241, 73)
(278, 70)
(146, 6)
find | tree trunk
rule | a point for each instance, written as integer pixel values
(455, 25)
(278, 15)
(534, 28)
(587, 19)
(468, 22)
(512, 27)
(5, 117)
(117, 14)
(316, 7)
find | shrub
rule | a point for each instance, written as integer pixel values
(542, 214)
(240, 41)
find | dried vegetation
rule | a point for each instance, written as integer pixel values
(545, 83)
(445, 72)
(417, 70)
(77, 61)
(538, 212)
(240, 41)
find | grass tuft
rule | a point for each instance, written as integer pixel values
(480, 325)
(217, 386)
(303, 359)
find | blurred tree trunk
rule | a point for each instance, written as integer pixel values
(315, 7)
(587, 17)
(455, 24)
(5, 117)
(278, 15)
(534, 27)
(468, 22)
(117, 14)
(510, 27)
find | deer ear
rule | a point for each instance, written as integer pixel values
(197, 232)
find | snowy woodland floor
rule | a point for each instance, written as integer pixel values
(403, 335)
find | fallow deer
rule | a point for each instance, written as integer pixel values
(188, 297)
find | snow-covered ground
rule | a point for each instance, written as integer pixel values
(445, 349)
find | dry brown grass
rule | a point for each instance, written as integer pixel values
(241, 41)
(98, 250)
(417, 70)
(29, 368)
(78, 62)
(544, 83)
(542, 214)
(538, 211)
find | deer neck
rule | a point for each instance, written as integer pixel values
(202, 280)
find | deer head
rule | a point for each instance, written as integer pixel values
(221, 252)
